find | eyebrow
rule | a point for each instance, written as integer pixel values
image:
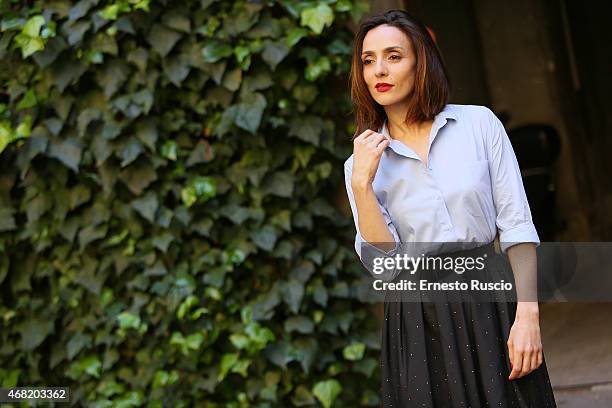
(385, 50)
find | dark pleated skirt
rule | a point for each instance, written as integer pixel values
(454, 354)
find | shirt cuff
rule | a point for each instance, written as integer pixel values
(362, 243)
(368, 253)
(516, 235)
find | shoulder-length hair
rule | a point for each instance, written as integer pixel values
(431, 85)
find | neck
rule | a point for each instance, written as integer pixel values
(398, 129)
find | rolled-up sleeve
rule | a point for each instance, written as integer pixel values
(366, 250)
(513, 219)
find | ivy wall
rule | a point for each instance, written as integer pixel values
(168, 232)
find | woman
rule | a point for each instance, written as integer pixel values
(441, 173)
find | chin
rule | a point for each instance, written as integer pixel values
(387, 101)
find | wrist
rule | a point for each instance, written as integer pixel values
(527, 310)
(361, 187)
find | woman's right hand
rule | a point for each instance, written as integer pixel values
(367, 151)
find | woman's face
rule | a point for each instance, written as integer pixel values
(388, 58)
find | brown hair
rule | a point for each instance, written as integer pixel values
(431, 85)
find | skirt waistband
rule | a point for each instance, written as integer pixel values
(481, 250)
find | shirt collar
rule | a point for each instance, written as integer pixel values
(446, 113)
(439, 121)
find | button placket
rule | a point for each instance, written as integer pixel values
(439, 198)
(442, 205)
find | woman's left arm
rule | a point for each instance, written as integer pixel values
(518, 239)
(524, 342)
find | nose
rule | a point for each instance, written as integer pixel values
(381, 68)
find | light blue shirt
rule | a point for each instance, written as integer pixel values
(471, 189)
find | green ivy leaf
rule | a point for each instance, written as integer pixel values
(249, 113)
(162, 39)
(241, 53)
(29, 100)
(130, 151)
(354, 351)
(295, 35)
(188, 196)
(306, 349)
(280, 353)
(76, 344)
(29, 45)
(91, 233)
(233, 79)
(317, 18)
(241, 367)
(228, 361)
(80, 9)
(7, 221)
(205, 187)
(162, 241)
(194, 341)
(128, 320)
(259, 335)
(302, 397)
(6, 135)
(177, 21)
(9, 378)
(176, 68)
(110, 12)
(274, 52)
(307, 128)
(280, 183)
(240, 341)
(89, 365)
(34, 332)
(366, 366)
(292, 294)
(264, 237)
(169, 150)
(130, 399)
(32, 27)
(318, 68)
(138, 176)
(214, 51)
(163, 378)
(199, 189)
(301, 324)
(343, 5)
(67, 151)
(327, 391)
(147, 206)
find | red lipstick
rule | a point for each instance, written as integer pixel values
(383, 86)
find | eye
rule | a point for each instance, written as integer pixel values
(394, 56)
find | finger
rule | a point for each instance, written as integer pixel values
(366, 134)
(540, 358)
(382, 146)
(374, 138)
(526, 369)
(374, 142)
(517, 365)
(534, 360)
(370, 140)
(363, 135)
(511, 353)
